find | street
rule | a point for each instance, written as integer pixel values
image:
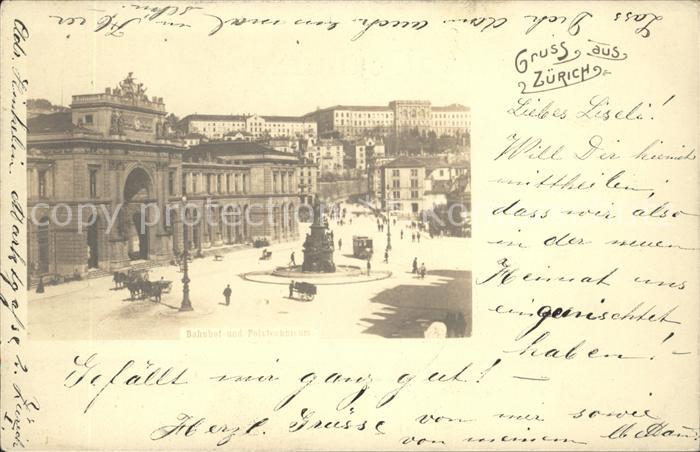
(401, 306)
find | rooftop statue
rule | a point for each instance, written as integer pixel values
(129, 88)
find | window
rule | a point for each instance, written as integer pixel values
(245, 182)
(218, 183)
(414, 183)
(171, 182)
(88, 119)
(209, 183)
(442, 172)
(397, 195)
(396, 183)
(42, 183)
(93, 182)
(414, 172)
(414, 194)
(228, 183)
(395, 173)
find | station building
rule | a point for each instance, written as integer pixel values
(92, 169)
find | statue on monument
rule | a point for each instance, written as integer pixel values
(318, 211)
(318, 246)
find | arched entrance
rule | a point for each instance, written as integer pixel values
(237, 225)
(290, 219)
(276, 223)
(283, 220)
(246, 219)
(192, 229)
(138, 245)
(227, 224)
(42, 238)
(92, 242)
(232, 223)
(138, 191)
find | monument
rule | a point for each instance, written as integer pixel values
(318, 246)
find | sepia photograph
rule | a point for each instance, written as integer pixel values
(342, 221)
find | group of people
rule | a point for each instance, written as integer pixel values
(416, 270)
(415, 236)
(339, 213)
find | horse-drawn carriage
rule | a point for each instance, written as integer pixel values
(306, 291)
(121, 279)
(165, 286)
(266, 255)
(140, 288)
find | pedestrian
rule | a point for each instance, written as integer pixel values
(401, 234)
(369, 267)
(422, 270)
(415, 265)
(418, 237)
(292, 260)
(340, 244)
(413, 236)
(227, 294)
(40, 286)
(386, 256)
(291, 290)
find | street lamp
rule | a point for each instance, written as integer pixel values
(185, 305)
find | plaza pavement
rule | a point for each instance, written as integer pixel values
(399, 306)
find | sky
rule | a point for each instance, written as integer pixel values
(281, 70)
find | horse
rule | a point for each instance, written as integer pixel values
(146, 288)
(134, 286)
(138, 287)
(120, 279)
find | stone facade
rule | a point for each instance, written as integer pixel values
(402, 182)
(106, 186)
(72, 179)
(328, 154)
(354, 121)
(216, 127)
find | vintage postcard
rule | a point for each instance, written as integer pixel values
(364, 225)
